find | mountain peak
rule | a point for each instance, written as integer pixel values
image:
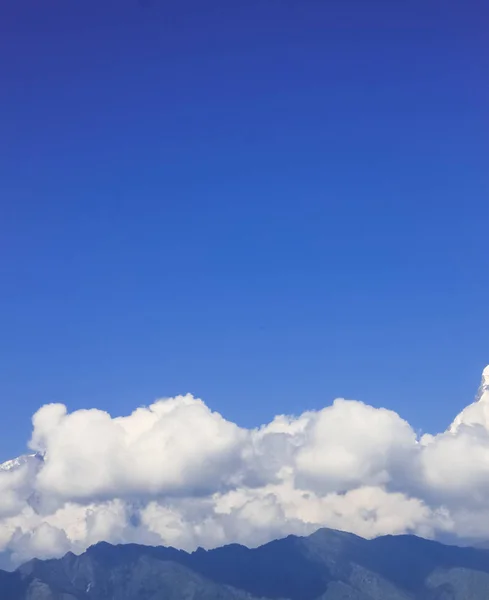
(315, 568)
(483, 391)
(25, 459)
(476, 413)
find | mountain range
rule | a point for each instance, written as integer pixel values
(327, 565)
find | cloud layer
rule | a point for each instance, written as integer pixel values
(176, 473)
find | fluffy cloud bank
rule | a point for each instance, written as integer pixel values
(176, 473)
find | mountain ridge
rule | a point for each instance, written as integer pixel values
(327, 565)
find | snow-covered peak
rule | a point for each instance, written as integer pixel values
(476, 413)
(483, 392)
(25, 459)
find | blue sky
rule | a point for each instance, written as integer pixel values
(267, 204)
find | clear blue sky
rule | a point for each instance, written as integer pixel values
(267, 203)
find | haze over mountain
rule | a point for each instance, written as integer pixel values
(176, 473)
(328, 565)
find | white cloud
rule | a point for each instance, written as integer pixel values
(14, 489)
(176, 473)
(41, 542)
(171, 447)
(455, 466)
(351, 444)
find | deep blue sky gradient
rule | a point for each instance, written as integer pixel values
(265, 203)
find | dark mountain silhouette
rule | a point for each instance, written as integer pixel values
(328, 565)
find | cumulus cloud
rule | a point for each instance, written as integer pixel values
(351, 444)
(174, 446)
(177, 473)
